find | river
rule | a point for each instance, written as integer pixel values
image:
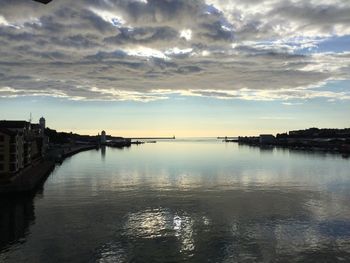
(184, 201)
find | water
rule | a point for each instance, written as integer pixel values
(184, 201)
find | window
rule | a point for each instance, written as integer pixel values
(2, 138)
(13, 158)
(12, 167)
(1, 157)
(13, 148)
(1, 166)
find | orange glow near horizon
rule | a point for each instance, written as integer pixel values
(178, 133)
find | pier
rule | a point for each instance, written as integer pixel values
(228, 139)
(153, 138)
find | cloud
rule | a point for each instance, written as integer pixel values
(149, 50)
(292, 103)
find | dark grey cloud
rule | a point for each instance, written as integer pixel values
(325, 14)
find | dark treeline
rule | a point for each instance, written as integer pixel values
(56, 137)
(67, 137)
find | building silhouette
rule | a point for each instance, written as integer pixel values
(266, 139)
(21, 143)
(42, 123)
(103, 138)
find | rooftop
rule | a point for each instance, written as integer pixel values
(14, 124)
(7, 132)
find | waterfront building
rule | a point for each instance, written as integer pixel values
(16, 125)
(103, 138)
(23, 129)
(11, 151)
(38, 139)
(266, 139)
(21, 143)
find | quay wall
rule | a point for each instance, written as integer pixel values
(31, 177)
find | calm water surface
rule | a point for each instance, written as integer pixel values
(184, 201)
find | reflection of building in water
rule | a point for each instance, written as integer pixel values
(15, 217)
(266, 148)
(103, 151)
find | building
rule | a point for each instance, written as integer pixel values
(11, 151)
(23, 129)
(16, 125)
(267, 139)
(21, 143)
(42, 124)
(103, 138)
(38, 138)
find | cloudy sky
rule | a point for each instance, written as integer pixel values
(176, 67)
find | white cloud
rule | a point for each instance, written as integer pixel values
(177, 51)
(145, 52)
(186, 34)
(3, 21)
(292, 103)
(109, 17)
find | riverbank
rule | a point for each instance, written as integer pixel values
(74, 150)
(31, 177)
(27, 179)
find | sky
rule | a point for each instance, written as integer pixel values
(176, 67)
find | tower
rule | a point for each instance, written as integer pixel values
(103, 137)
(42, 123)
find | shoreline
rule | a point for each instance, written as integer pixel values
(31, 177)
(302, 145)
(65, 154)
